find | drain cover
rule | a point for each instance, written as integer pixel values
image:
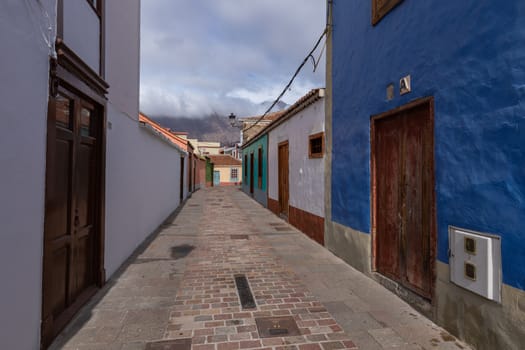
(277, 327)
(176, 344)
(245, 294)
(239, 236)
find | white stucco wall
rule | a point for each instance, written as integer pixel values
(122, 48)
(25, 38)
(142, 170)
(142, 186)
(82, 31)
(306, 175)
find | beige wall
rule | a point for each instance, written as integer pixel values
(226, 171)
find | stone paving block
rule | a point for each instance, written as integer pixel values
(137, 332)
(388, 338)
(100, 318)
(182, 286)
(147, 316)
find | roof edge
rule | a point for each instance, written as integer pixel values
(305, 101)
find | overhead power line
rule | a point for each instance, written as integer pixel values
(310, 55)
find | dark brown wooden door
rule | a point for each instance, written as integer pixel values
(404, 200)
(72, 196)
(284, 189)
(251, 173)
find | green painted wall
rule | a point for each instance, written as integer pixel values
(259, 194)
(209, 171)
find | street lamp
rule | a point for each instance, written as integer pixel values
(234, 122)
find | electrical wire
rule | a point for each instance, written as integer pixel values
(310, 55)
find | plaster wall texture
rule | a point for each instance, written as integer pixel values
(200, 179)
(142, 186)
(123, 49)
(27, 31)
(485, 325)
(468, 56)
(82, 32)
(352, 246)
(225, 172)
(306, 174)
(259, 194)
(142, 171)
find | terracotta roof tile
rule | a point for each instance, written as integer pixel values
(179, 141)
(224, 159)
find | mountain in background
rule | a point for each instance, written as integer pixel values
(213, 127)
(278, 107)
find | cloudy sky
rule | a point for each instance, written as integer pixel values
(205, 56)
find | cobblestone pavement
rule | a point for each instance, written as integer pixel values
(180, 291)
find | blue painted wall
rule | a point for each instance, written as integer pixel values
(469, 55)
(259, 194)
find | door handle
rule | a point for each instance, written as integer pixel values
(77, 218)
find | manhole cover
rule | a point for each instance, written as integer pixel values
(239, 236)
(269, 327)
(177, 344)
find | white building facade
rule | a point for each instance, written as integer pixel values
(296, 165)
(82, 183)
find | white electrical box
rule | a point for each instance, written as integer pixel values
(475, 262)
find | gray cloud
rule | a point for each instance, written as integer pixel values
(205, 56)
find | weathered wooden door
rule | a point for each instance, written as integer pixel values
(71, 233)
(404, 217)
(284, 187)
(251, 173)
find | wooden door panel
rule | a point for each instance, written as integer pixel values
(58, 211)
(284, 193)
(84, 182)
(83, 264)
(72, 197)
(58, 286)
(388, 200)
(404, 209)
(416, 216)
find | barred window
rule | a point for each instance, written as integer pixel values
(316, 145)
(234, 173)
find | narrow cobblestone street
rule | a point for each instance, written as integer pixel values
(181, 286)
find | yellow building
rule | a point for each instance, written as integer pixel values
(226, 170)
